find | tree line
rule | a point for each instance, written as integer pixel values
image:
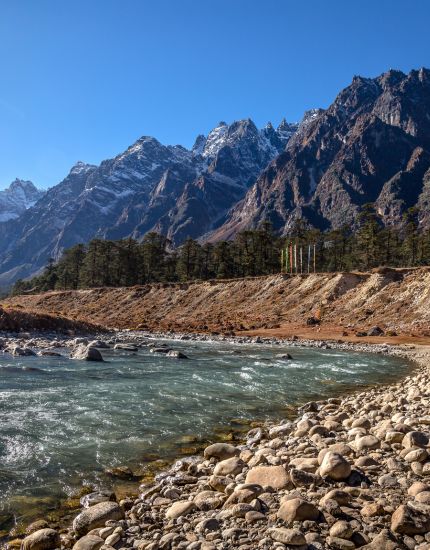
(254, 252)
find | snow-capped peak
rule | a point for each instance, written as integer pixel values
(15, 199)
(215, 140)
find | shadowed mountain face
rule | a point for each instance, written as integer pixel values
(179, 192)
(371, 145)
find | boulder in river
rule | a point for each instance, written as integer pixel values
(99, 344)
(95, 498)
(125, 347)
(86, 353)
(48, 353)
(18, 351)
(176, 354)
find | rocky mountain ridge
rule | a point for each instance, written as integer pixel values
(18, 197)
(371, 145)
(150, 186)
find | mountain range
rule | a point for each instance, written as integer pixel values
(371, 145)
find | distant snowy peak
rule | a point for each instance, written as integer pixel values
(240, 131)
(18, 197)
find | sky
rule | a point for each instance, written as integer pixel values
(83, 79)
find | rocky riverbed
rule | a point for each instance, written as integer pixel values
(347, 473)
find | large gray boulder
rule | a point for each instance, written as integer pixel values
(96, 516)
(86, 353)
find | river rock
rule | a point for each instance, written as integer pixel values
(367, 443)
(176, 354)
(96, 516)
(336, 543)
(98, 344)
(180, 508)
(96, 497)
(269, 476)
(411, 519)
(418, 487)
(229, 466)
(85, 353)
(341, 529)
(375, 331)
(415, 439)
(341, 497)
(423, 497)
(291, 537)
(221, 451)
(89, 542)
(209, 500)
(20, 352)
(302, 478)
(219, 483)
(416, 455)
(43, 539)
(36, 526)
(335, 466)
(125, 347)
(297, 509)
(383, 541)
(280, 431)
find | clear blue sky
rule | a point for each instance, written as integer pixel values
(83, 79)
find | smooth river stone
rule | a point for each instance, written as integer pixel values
(181, 508)
(276, 477)
(44, 539)
(96, 516)
(221, 451)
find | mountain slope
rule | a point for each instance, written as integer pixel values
(371, 145)
(179, 192)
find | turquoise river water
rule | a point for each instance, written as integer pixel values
(63, 422)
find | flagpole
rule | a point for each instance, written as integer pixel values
(314, 258)
(291, 259)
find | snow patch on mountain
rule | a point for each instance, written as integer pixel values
(18, 197)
